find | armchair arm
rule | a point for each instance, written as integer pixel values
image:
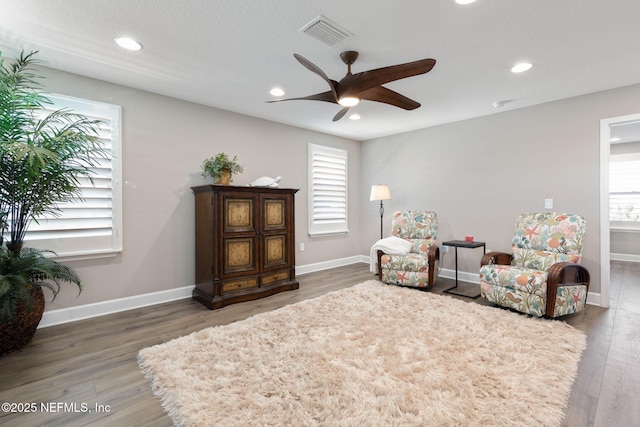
(380, 253)
(564, 274)
(499, 258)
(433, 255)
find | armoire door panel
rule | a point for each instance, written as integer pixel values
(239, 214)
(274, 214)
(275, 250)
(239, 255)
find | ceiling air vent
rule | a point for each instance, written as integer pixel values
(326, 31)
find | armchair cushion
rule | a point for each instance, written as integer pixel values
(406, 262)
(550, 233)
(389, 245)
(419, 226)
(540, 260)
(516, 278)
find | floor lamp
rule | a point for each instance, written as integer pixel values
(380, 192)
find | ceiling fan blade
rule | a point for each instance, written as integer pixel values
(314, 68)
(360, 82)
(387, 96)
(340, 114)
(324, 96)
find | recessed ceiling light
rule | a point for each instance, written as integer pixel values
(128, 43)
(465, 1)
(520, 67)
(276, 91)
(355, 116)
(614, 139)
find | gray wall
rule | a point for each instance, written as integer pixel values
(625, 243)
(476, 174)
(479, 174)
(164, 143)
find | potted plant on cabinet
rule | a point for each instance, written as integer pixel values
(42, 158)
(221, 168)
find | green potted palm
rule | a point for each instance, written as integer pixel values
(221, 168)
(42, 158)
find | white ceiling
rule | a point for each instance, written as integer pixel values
(229, 53)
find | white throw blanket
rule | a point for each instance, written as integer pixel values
(389, 245)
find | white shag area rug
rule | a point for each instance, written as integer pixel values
(370, 355)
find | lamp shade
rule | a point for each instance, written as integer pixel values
(380, 192)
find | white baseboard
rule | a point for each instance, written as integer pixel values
(463, 276)
(72, 314)
(325, 265)
(624, 257)
(593, 299)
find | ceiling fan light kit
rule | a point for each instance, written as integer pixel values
(365, 85)
(348, 101)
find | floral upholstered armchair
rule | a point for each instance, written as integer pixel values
(542, 276)
(419, 266)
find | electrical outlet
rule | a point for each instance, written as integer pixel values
(445, 249)
(548, 203)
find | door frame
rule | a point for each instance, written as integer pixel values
(605, 226)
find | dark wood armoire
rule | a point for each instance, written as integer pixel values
(245, 243)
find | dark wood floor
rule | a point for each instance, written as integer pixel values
(93, 362)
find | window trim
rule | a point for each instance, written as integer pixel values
(332, 228)
(78, 248)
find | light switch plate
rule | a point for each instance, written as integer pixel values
(548, 203)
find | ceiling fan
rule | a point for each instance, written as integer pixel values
(366, 85)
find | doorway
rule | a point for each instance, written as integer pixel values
(623, 127)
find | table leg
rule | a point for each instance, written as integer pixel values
(452, 290)
(456, 267)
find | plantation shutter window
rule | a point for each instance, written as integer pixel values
(624, 191)
(89, 226)
(327, 190)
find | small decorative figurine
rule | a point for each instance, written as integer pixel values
(266, 181)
